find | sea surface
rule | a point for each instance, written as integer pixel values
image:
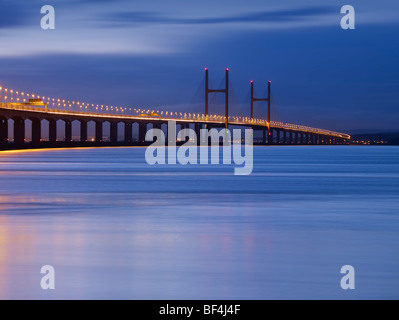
(114, 227)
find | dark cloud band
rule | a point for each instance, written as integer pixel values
(277, 16)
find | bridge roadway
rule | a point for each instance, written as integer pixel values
(276, 133)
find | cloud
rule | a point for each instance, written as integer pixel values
(282, 16)
(85, 27)
(13, 15)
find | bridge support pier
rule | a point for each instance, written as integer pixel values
(264, 136)
(157, 126)
(36, 130)
(83, 131)
(3, 131)
(142, 132)
(312, 139)
(270, 136)
(99, 132)
(68, 131)
(197, 129)
(114, 132)
(128, 132)
(19, 131)
(52, 130)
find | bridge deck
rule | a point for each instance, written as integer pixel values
(27, 111)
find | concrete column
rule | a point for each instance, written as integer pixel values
(114, 132)
(83, 131)
(142, 132)
(197, 129)
(52, 130)
(277, 136)
(302, 138)
(36, 130)
(128, 132)
(3, 131)
(99, 132)
(284, 137)
(19, 131)
(270, 137)
(68, 131)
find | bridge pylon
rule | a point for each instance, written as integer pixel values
(268, 99)
(225, 91)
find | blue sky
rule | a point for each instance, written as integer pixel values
(152, 54)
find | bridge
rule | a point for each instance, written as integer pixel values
(18, 107)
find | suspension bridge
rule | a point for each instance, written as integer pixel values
(18, 108)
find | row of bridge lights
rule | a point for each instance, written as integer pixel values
(22, 97)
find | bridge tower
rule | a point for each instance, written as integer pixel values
(225, 91)
(268, 99)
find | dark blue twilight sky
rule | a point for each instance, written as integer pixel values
(152, 53)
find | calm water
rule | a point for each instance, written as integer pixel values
(114, 227)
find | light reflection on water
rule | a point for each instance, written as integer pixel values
(114, 227)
